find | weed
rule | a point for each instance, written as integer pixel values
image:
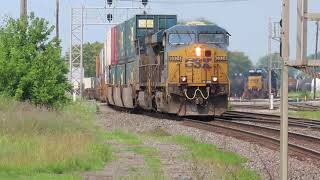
(225, 165)
(123, 137)
(306, 114)
(36, 142)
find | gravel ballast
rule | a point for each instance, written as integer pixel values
(261, 159)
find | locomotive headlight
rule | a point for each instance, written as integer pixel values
(214, 79)
(184, 79)
(198, 51)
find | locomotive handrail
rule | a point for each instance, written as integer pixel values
(195, 94)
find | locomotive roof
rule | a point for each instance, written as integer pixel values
(214, 29)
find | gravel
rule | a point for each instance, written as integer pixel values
(261, 159)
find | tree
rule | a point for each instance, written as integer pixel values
(90, 51)
(31, 67)
(311, 56)
(238, 62)
(263, 62)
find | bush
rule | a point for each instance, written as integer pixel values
(31, 67)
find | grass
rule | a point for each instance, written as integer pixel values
(306, 114)
(37, 143)
(149, 154)
(224, 165)
(302, 95)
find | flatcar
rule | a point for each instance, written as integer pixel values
(155, 64)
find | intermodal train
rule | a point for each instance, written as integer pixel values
(154, 63)
(253, 84)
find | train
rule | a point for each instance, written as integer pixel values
(153, 63)
(253, 84)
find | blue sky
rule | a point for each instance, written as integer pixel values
(246, 21)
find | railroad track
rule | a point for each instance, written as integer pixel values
(269, 119)
(300, 145)
(292, 106)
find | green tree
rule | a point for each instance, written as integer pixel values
(311, 56)
(238, 62)
(31, 67)
(263, 62)
(90, 51)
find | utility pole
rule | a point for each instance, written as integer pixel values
(284, 90)
(315, 58)
(23, 8)
(57, 17)
(270, 65)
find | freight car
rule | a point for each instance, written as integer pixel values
(256, 85)
(154, 64)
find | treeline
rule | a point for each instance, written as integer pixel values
(31, 66)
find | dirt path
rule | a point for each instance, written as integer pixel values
(133, 161)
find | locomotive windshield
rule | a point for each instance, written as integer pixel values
(212, 38)
(181, 39)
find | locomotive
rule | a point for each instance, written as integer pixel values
(151, 62)
(256, 85)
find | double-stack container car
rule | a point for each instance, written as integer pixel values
(155, 64)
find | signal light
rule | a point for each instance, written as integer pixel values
(109, 2)
(144, 2)
(198, 51)
(109, 17)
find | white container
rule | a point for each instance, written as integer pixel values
(108, 51)
(102, 64)
(317, 85)
(87, 82)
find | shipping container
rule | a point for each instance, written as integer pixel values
(114, 49)
(130, 35)
(88, 83)
(102, 62)
(98, 66)
(112, 75)
(108, 54)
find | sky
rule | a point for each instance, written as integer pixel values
(246, 21)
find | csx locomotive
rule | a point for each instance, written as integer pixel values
(257, 84)
(152, 63)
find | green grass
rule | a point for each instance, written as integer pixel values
(306, 114)
(302, 95)
(37, 143)
(123, 137)
(225, 165)
(149, 154)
